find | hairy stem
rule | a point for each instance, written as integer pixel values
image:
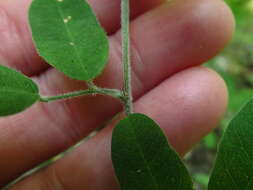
(93, 91)
(125, 35)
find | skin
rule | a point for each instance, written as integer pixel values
(170, 40)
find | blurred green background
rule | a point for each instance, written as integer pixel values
(235, 65)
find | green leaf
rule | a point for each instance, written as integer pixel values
(17, 92)
(68, 36)
(234, 164)
(143, 159)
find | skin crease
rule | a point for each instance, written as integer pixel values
(186, 102)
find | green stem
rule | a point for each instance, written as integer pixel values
(125, 17)
(95, 90)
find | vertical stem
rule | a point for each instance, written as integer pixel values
(125, 35)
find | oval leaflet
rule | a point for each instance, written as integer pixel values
(68, 36)
(17, 92)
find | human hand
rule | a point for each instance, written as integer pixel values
(168, 39)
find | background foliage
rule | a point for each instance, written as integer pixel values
(235, 65)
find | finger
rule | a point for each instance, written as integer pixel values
(187, 106)
(169, 59)
(68, 121)
(17, 49)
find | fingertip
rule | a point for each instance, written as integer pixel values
(205, 99)
(217, 26)
(206, 29)
(177, 35)
(191, 103)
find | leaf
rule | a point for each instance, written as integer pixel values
(68, 36)
(233, 169)
(17, 92)
(143, 159)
